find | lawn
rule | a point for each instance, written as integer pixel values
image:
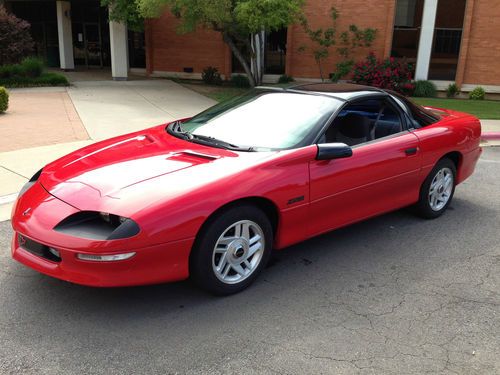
(483, 109)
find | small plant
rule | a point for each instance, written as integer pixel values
(240, 81)
(4, 99)
(388, 74)
(477, 94)
(285, 78)
(346, 41)
(425, 89)
(32, 67)
(452, 90)
(211, 76)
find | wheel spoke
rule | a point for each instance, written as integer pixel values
(239, 269)
(225, 240)
(238, 230)
(254, 239)
(222, 262)
(253, 249)
(226, 270)
(245, 231)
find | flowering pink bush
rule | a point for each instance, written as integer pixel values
(386, 74)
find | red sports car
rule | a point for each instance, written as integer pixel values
(211, 196)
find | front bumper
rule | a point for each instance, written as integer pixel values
(34, 217)
(151, 265)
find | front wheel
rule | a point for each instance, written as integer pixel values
(231, 250)
(437, 190)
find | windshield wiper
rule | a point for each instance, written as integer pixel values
(177, 129)
(219, 143)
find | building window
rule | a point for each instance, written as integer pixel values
(447, 40)
(407, 29)
(274, 54)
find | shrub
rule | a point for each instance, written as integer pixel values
(452, 90)
(4, 99)
(285, 78)
(211, 76)
(15, 38)
(46, 79)
(425, 89)
(240, 81)
(477, 94)
(32, 67)
(386, 74)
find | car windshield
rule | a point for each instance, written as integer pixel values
(263, 120)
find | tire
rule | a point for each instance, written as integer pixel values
(442, 179)
(231, 250)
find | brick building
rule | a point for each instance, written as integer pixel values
(448, 40)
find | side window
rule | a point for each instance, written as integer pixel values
(364, 121)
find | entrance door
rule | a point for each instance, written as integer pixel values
(92, 35)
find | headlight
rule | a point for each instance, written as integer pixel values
(98, 226)
(30, 183)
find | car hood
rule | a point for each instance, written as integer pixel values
(138, 169)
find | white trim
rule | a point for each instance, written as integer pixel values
(426, 39)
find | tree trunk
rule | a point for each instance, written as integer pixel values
(237, 53)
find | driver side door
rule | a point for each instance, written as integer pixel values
(381, 175)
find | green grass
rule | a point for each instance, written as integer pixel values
(483, 109)
(46, 79)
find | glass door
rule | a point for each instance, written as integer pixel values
(92, 37)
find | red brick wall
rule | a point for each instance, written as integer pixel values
(377, 14)
(168, 51)
(482, 60)
(172, 52)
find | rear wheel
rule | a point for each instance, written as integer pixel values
(231, 250)
(437, 190)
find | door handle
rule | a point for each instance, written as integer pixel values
(411, 151)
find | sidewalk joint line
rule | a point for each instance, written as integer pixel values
(11, 171)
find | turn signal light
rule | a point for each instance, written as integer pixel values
(105, 258)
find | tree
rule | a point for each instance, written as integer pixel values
(15, 39)
(242, 23)
(347, 41)
(125, 11)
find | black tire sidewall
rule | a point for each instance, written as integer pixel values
(200, 264)
(423, 206)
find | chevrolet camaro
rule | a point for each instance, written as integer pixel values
(210, 197)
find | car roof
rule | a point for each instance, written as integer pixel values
(342, 91)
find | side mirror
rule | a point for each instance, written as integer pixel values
(329, 151)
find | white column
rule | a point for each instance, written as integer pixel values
(119, 50)
(65, 35)
(426, 39)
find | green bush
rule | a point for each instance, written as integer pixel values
(477, 94)
(211, 76)
(4, 99)
(285, 78)
(32, 67)
(425, 89)
(452, 90)
(46, 79)
(9, 71)
(240, 81)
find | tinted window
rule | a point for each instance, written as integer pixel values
(364, 121)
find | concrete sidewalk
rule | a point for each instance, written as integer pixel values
(101, 109)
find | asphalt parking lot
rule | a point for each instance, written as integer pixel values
(395, 294)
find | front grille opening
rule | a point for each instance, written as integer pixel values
(38, 249)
